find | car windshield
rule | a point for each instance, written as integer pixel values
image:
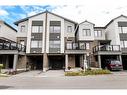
(115, 62)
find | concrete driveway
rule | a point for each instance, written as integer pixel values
(117, 80)
(39, 73)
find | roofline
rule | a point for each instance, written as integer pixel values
(115, 19)
(25, 19)
(9, 26)
(87, 21)
(99, 27)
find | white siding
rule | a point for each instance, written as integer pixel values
(39, 17)
(7, 32)
(51, 17)
(103, 35)
(112, 31)
(66, 33)
(22, 34)
(86, 25)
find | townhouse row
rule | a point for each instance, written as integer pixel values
(48, 41)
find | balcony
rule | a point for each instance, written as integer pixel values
(107, 49)
(75, 48)
(5, 45)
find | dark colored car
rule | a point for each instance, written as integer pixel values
(113, 65)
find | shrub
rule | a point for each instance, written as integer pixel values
(88, 72)
(72, 73)
(97, 72)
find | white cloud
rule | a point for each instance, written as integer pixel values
(3, 12)
(99, 12)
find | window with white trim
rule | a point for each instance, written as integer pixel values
(54, 44)
(69, 29)
(37, 29)
(36, 44)
(98, 33)
(55, 29)
(22, 28)
(86, 32)
(87, 45)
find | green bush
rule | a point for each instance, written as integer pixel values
(88, 72)
(97, 72)
(72, 73)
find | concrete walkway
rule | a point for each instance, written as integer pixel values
(39, 73)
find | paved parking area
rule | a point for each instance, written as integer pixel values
(117, 80)
(39, 73)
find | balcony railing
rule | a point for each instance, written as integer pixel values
(106, 48)
(4, 45)
(75, 46)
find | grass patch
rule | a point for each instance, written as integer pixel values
(88, 72)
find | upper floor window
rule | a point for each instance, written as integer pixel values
(55, 29)
(22, 42)
(122, 26)
(86, 32)
(123, 44)
(69, 45)
(54, 44)
(98, 33)
(55, 26)
(87, 45)
(36, 44)
(69, 29)
(37, 29)
(22, 28)
(37, 26)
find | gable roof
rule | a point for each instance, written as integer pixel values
(25, 19)
(8, 25)
(86, 21)
(115, 19)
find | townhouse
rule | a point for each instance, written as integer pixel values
(8, 46)
(55, 42)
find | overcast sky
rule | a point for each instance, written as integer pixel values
(99, 12)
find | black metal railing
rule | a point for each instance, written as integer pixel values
(75, 46)
(4, 45)
(106, 48)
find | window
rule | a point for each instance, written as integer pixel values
(55, 29)
(69, 29)
(98, 33)
(69, 45)
(36, 44)
(22, 42)
(82, 45)
(54, 44)
(87, 45)
(37, 29)
(125, 44)
(23, 28)
(86, 32)
(124, 29)
(122, 43)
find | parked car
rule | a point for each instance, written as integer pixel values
(113, 65)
